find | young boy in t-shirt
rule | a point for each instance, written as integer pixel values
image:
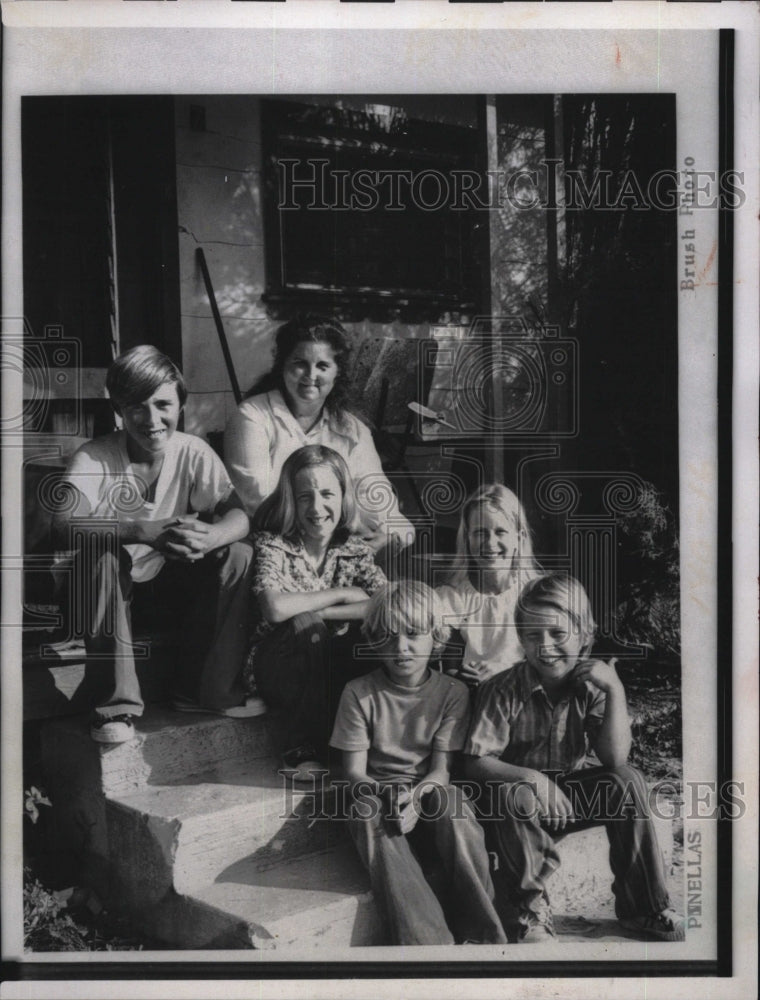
(398, 728)
(528, 742)
(149, 502)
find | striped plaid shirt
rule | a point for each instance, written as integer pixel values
(515, 721)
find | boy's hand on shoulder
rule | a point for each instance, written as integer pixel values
(477, 672)
(602, 674)
(374, 534)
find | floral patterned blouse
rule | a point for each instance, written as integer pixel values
(283, 565)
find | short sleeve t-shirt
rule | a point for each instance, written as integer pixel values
(514, 720)
(400, 727)
(192, 480)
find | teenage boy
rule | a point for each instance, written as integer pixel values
(150, 502)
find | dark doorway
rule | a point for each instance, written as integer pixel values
(100, 223)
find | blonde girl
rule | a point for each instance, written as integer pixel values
(494, 561)
(312, 580)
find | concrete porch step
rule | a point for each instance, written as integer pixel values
(582, 885)
(169, 747)
(181, 835)
(192, 831)
(320, 900)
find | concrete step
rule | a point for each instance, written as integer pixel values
(192, 830)
(181, 835)
(81, 775)
(316, 901)
(582, 885)
(169, 747)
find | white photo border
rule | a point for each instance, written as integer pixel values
(673, 48)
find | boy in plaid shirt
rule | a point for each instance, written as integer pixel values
(528, 742)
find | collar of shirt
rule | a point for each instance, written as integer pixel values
(352, 546)
(123, 447)
(281, 412)
(529, 683)
(509, 594)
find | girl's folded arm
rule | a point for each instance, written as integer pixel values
(277, 607)
(354, 611)
(613, 741)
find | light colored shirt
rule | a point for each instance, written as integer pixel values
(263, 433)
(192, 479)
(283, 565)
(400, 727)
(514, 720)
(486, 622)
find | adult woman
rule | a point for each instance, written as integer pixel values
(301, 401)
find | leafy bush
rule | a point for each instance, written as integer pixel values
(650, 613)
(71, 920)
(47, 925)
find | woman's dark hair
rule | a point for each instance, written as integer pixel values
(311, 329)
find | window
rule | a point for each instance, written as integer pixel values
(364, 213)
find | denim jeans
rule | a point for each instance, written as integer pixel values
(214, 594)
(413, 911)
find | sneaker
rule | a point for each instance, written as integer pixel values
(538, 924)
(665, 925)
(303, 761)
(116, 729)
(249, 709)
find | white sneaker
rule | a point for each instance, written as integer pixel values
(251, 707)
(119, 729)
(303, 766)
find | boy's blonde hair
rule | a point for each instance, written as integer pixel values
(498, 497)
(405, 604)
(566, 594)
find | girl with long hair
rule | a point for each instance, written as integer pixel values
(312, 580)
(494, 560)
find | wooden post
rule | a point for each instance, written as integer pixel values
(494, 453)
